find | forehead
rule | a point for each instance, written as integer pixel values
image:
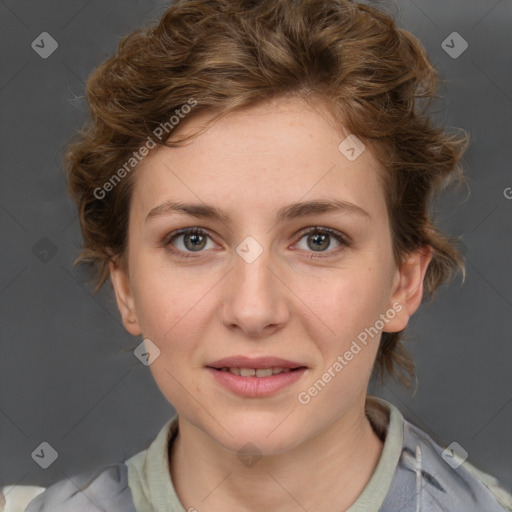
(261, 157)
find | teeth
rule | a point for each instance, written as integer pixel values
(263, 372)
(252, 372)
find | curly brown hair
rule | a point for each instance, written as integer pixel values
(226, 55)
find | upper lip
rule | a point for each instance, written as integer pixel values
(257, 362)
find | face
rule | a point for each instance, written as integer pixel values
(264, 283)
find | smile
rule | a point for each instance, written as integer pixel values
(256, 372)
(255, 382)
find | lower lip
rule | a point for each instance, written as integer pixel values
(256, 386)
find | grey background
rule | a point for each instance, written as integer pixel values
(67, 372)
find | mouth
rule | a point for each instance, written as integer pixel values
(264, 366)
(255, 377)
(256, 372)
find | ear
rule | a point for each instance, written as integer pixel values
(407, 290)
(124, 296)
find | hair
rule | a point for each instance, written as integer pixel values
(226, 55)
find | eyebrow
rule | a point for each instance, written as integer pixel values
(288, 212)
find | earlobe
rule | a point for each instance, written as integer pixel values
(408, 287)
(124, 297)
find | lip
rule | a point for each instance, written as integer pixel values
(256, 363)
(255, 386)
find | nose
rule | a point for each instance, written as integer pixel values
(254, 299)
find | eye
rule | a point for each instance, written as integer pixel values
(187, 241)
(319, 239)
(193, 240)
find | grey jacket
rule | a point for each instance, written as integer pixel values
(425, 478)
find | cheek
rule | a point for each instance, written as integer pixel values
(170, 304)
(166, 310)
(171, 312)
(349, 306)
(154, 298)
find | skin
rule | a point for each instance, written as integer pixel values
(214, 304)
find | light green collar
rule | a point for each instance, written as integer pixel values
(375, 491)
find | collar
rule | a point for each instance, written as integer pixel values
(152, 487)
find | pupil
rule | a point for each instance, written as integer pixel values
(322, 244)
(195, 238)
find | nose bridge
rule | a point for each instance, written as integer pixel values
(253, 273)
(255, 297)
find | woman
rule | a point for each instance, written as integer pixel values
(255, 182)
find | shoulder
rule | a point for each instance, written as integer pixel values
(106, 489)
(435, 478)
(17, 497)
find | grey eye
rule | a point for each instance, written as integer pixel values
(195, 241)
(192, 240)
(319, 240)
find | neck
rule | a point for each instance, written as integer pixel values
(335, 466)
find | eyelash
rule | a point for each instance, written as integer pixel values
(344, 242)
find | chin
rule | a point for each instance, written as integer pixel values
(267, 437)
